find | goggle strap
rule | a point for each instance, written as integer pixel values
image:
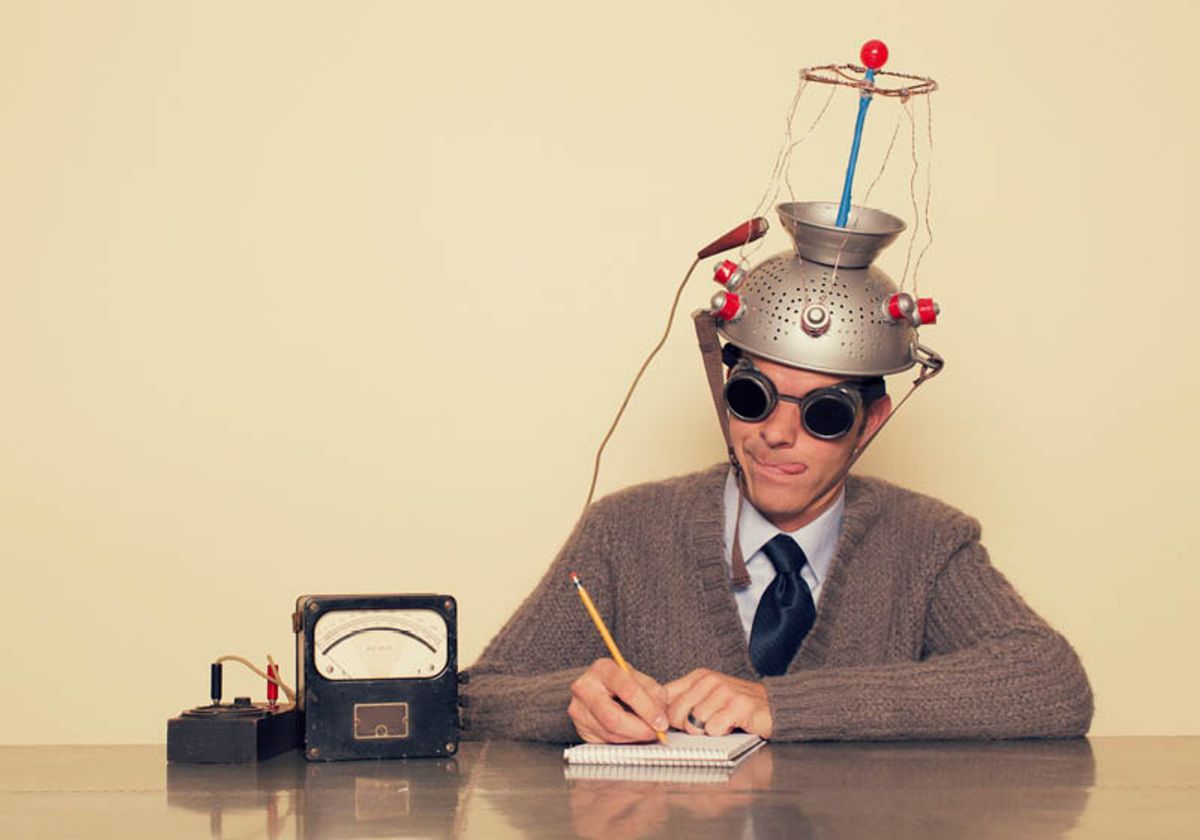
(740, 575)
(710, 352)
(928, 371)
(714, 371)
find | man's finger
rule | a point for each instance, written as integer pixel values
(658, 692)
(727, 717)
(620, 726)
(596, 690)
(585, 723)
(600, 719)
(636, 695)
(687, 701)
(715, 700)
(677, 687)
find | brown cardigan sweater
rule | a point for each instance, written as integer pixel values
(917, 635)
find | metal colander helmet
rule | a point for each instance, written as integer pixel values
(825, 307)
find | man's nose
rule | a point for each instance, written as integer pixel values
(783, 426)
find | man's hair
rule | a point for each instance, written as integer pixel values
(873, 387)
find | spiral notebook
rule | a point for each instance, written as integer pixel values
(681, 750)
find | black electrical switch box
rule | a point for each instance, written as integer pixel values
(237, 733)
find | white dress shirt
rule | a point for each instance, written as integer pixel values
(818, 539)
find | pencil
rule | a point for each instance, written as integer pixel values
(604, 634)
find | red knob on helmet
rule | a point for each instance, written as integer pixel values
(729, 274)
(899, 306)
(727, 306)
(927, 310)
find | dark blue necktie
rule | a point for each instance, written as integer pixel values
(785, 612)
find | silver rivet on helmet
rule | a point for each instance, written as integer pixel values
(814, 319)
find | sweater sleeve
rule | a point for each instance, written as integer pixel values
(990, 668)
(519, 688)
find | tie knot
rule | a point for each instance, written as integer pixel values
(785, 555)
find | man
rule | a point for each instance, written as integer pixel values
(861, 611)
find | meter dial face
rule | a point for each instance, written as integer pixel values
(379, 644)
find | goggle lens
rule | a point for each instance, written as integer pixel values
(747, 399)
(827, 413)
(828, 416)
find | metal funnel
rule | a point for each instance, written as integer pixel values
(819, 239)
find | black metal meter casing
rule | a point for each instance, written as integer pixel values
(378, 675)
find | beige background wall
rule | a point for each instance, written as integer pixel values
(301, 297)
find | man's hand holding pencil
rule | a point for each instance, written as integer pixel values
(596, 713)
(611, 703)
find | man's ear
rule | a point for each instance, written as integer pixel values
(876, 414)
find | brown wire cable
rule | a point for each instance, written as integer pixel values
(636, 379)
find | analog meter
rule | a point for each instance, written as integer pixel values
(378, 675)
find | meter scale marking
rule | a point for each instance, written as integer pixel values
(380, 644)
(353, 633)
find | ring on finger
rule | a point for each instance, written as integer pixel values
(699, 724)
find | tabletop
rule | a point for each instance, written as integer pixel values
(1100, 787)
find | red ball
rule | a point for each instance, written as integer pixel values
(874, 54)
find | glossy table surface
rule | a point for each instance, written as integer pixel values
(1103, 787)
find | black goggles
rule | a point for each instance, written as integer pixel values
(827, 413)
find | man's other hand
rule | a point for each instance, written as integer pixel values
(709, 702)
(609, 706)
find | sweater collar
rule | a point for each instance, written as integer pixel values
(818, 539)
(705, 521)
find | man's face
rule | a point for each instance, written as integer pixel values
(785, 467)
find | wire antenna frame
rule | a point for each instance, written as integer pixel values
(854, 76)
(889, 83)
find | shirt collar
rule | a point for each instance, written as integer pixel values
(818, 538)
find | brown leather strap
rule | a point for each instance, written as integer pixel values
(710, 351)
(739, 574)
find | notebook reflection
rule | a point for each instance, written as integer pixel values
(621, 802)
(1000, 789)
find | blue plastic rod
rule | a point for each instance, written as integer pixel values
(863, 103)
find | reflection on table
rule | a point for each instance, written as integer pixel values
(1002, 789)
(1108, 787)
(289, 797)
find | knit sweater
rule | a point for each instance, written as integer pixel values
(916, 635)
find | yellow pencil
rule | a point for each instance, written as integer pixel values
(604, 634)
